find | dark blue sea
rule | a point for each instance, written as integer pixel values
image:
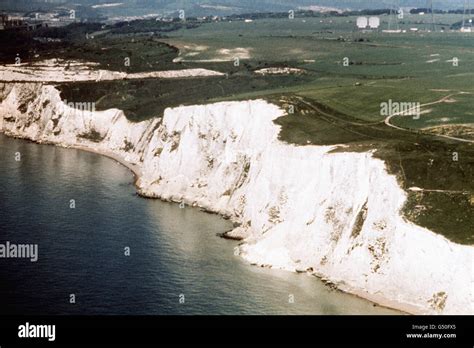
(175, 254)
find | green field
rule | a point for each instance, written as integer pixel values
(403, 67)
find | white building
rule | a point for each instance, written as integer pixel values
(374, 22)
(362, 22)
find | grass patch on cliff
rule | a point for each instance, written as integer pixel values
(147, 98)
(93, 136)
(443, 212)
(107, 45)
(416, 159)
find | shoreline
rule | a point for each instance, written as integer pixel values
(376, 300)
(134, 168)
(404, 309)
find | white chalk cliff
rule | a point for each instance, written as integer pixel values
(300, 208)
(58, 70)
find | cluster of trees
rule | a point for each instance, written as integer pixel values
(428, 10)
(153, 26)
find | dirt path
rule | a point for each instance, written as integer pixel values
(334, 120)
(442, 100)
(417, 189)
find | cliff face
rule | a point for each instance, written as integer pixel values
(58, 70)
(336, 215)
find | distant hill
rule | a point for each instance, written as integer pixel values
(221, 7)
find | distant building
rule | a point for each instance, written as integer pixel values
(362, 22)
(17, 23)
(368, 23)
(467, 26)
(7, 22)
(374, 22)
(3, 20)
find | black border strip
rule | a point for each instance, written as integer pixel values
(243, 330)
